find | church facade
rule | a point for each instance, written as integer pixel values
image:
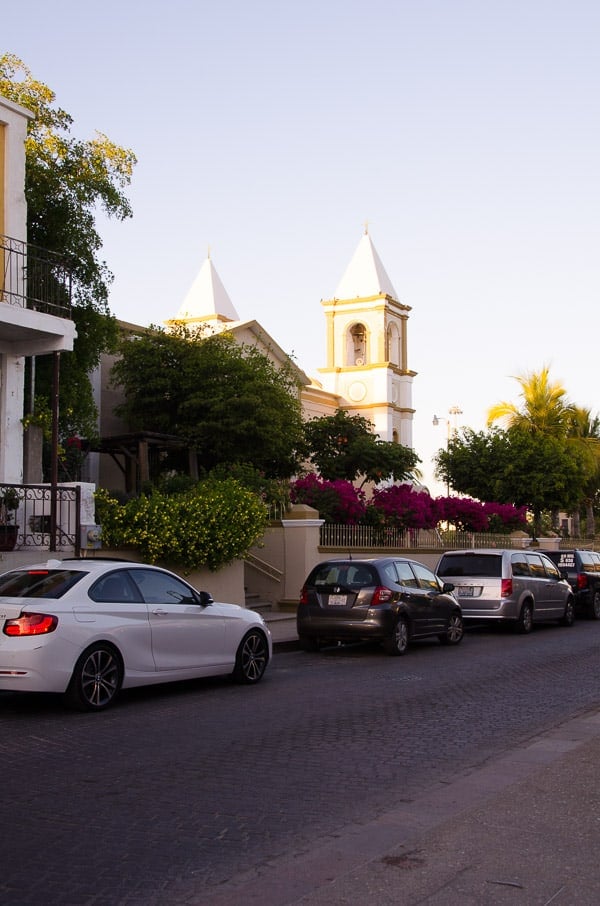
(366, 371)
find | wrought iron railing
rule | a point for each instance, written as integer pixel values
(366, 537)
(40, 516)
(33, 277)
(348, 537)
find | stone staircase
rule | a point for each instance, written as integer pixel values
(281, 622)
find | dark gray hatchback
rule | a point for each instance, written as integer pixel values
(385, 599)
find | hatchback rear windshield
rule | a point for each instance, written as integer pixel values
(350, 575)
(487, 565)
(38, 583)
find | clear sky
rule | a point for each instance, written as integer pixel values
(466, 132)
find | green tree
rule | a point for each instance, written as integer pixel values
(544, 407)
(67, 182)
(343, 446)
(515, 466)
(584, 431)
(229, 402)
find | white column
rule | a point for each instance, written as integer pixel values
(12, 382)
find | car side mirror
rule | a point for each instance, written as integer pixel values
(447, 587)
(205, 598)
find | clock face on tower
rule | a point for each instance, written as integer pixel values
(357, 391)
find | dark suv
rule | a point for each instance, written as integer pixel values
(390, 600)
(582, 571)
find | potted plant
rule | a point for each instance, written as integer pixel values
(9, 502)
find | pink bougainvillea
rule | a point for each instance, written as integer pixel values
(337, 501)
(401, 506)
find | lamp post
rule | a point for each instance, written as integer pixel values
(451, 430)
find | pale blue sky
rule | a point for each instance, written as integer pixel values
(466, 133)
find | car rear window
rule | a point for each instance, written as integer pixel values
(38, 583)
(587, 561)
(350, 575)
(487, 565)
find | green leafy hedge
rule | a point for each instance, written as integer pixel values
(208, 526)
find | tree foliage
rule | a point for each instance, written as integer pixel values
(229, 402)
(206, 526)
(343, 446)
(544, 406)
(67, 181)
(515, 466)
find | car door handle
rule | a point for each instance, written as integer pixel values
(159, 612)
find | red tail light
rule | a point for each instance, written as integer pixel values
(304, 596)
(381, 595)
(31, 624)
(582, 580)
(506, 588)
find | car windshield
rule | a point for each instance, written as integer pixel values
(350, 575)
(487, 565)
(38, 583)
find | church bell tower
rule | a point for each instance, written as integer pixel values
(367, 350)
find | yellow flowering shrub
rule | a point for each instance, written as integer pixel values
(208, 526)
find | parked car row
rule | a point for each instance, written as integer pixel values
(395, 600)
(86, 628)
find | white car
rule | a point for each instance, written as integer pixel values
(88, 627)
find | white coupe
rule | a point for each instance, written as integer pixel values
(88, 627)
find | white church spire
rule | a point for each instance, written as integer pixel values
(207, 298)
(365, 275)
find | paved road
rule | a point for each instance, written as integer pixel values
(178, 791)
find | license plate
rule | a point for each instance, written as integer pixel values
(465, 591)
(337, 600)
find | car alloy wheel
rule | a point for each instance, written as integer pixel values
(568, 618)
(96, 679)
(252, 658)
(525, 621)
(397, 644)
(454, 631)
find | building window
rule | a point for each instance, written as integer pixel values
(358, 345)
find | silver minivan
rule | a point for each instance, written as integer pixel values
(519, 586)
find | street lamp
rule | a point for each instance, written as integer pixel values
(451, 430)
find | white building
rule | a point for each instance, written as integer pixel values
(29, 324)
(367, 369)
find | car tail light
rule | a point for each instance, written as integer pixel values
(304, 596)
(31, 624)
(506, 588)
(582, 581)
(381, 595)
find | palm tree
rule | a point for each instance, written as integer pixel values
(584, 428)
(544, 408)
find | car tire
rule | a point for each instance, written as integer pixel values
(568, 617)
(454, 630)
(525, 618)
(397, 643)
(96, 680)
(252, 658)
(595, 605)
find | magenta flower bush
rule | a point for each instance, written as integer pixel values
(337, 501)
(467, 515)
(401, 506)
(504, 517)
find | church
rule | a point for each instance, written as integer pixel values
(366, 372)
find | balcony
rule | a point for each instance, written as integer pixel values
(35, 300)
(34, 278)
